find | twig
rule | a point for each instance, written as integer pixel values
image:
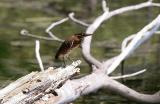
(48, 30)
(104, 6)
(129, 75)
(71, 16)
(26, 33)
(37, 48)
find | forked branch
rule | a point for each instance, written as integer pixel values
(99, 78)
(99, 20)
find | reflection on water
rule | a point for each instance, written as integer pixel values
(17, 56)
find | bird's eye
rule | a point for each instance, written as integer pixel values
(78, 36)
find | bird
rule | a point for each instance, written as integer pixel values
(70, 43)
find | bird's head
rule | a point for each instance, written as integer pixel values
(82, 35)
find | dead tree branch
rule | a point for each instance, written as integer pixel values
(37, 48)
(71, 16)
(34, 86)
(140, 37)
(48, 30)
(98, 21)
(41, 88)
(24, 32)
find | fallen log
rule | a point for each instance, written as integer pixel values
(37, 86)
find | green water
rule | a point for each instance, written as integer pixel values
(17, 57)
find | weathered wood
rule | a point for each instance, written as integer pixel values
(36, 85)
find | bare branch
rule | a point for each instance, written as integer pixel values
(131, 8)
(71, 16)
(26, 33)
(125, 41)
(129, 75)
(131, 94)
(37, 48)
(104, 6)
(98, 21)
(141, 36)
(48, 30)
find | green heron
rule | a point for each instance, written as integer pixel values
(70, 43)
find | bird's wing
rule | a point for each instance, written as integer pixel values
(63, 49)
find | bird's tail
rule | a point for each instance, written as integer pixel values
(56, 56)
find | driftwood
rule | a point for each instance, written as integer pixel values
(37, 86)
(44, 87)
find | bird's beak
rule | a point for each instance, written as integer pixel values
(87, 35)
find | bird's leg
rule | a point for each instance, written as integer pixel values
(122, 70)
(64, 62)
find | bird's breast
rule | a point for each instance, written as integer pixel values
(66, 49)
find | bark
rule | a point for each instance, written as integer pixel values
(36, 85)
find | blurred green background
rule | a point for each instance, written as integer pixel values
(17, 56)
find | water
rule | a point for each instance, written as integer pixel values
(17, 57)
